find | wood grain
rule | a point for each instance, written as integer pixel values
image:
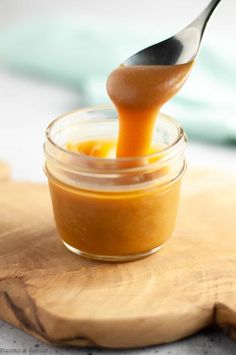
(64, 299)
(5, 172)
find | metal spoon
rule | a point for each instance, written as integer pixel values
(179, 49)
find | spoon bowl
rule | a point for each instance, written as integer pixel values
(179, 49)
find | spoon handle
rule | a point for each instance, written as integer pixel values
(201, 21)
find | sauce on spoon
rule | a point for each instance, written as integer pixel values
(139, 92)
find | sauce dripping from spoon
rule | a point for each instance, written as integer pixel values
(138, 93)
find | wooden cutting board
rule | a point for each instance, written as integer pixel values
(64, 299)
(5, 172)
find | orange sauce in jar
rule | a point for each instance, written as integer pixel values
(111, 223)
(126, 224)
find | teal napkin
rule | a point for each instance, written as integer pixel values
(82, 54)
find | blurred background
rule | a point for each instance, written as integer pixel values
(55, 56)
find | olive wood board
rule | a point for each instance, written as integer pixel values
(62, 298)
(5, 171)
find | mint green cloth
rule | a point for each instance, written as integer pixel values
(82, 54)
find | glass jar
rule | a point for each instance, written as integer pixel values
(113, 209)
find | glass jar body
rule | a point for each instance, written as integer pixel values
(110, 209)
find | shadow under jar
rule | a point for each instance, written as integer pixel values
(113, 209)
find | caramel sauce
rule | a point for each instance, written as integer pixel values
(128, 222)
(138, 93)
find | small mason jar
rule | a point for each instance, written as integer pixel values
(113, 209)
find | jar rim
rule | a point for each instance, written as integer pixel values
(181, 137)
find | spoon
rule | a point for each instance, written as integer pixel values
(179, 49)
